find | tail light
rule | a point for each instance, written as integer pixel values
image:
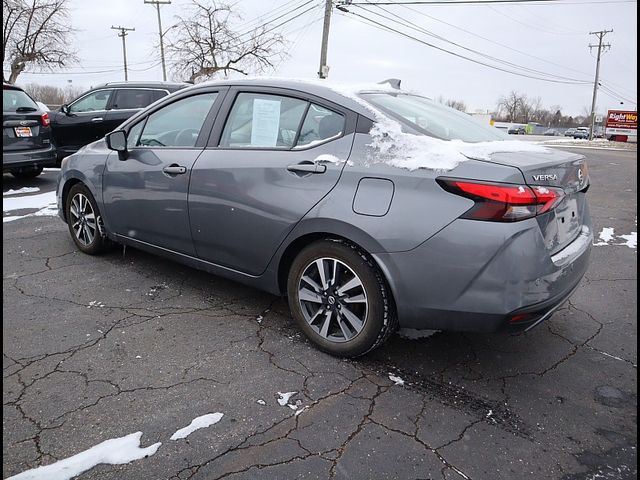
(503, 202)
(44, 119)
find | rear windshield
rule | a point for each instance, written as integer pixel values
(426, 117)
(12, 100)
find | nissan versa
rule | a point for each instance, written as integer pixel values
(284, 186)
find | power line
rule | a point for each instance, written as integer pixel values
(280, 24)
(529, 25)
(484, 2)
(521, 52)
(409, 24)
(554, 78)
(615, 94)
(298, 7)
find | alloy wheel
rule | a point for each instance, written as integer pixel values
(333, 299)
(83, 219)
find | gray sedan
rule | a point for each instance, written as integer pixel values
(368, 209)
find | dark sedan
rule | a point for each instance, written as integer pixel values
(101, 109)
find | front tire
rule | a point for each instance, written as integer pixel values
(339, 299)
(83, 220)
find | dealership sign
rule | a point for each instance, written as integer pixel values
(621, 122)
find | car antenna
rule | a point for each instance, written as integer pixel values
(394, 82)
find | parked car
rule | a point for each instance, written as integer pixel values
(101, 109)
(581, 132)
(517, 130)
(26, 134)
(280, 185)
(551, 132)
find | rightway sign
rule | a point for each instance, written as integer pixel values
(621, 122)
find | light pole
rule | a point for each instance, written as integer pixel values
(157, 3)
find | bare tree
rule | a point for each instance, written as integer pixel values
(203, 44)
(35, 32)
(457, 104)
(509, 105)
(50, 95)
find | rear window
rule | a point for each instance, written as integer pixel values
(133, 98)
(12, 100)
(426, 117)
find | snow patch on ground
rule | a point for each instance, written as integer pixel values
(197, 423)
(45, 203)
(301, 410)
(116, 451)
(261, 402)
(607, 235)
(396, 380)
(21, 191)
(284, 397)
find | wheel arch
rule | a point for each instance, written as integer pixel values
(340, 233)
(68, 184)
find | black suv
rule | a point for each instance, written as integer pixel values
(98, 111)
(26, 134)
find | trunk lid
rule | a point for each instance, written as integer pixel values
(558, 169)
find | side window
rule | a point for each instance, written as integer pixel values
(319, 125)
(92, 102)
(158, 94)
(179, 123)
(134, 135)
(129, 98)
(263, 120)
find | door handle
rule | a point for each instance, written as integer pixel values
(97, 119)
(174, 170)
(307, 167)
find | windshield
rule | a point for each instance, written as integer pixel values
(12, 100)
(427, 117)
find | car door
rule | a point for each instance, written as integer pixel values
(145, 195)
(276, 155)
(127, 101)
(83, 121)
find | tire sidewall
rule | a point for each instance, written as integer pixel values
(376, 295)
(98, 243)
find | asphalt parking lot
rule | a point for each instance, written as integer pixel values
(98, 348)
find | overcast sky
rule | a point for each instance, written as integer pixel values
(552, 38)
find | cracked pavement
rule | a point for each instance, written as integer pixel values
(99, 347)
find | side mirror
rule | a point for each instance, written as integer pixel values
(64, 109)
(117, 141)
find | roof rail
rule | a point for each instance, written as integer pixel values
(394, 82)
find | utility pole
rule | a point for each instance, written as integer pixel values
(600, 46)
(123, 33)
(157, 3)
(324, 68)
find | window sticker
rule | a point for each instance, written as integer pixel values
(266, 122)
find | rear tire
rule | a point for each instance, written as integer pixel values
(84, 221)
(339, 299)
(23, 173)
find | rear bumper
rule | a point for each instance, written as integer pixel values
(481, 277)
(45, 157)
